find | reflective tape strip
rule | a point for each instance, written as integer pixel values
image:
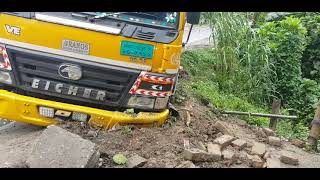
(157, 79)
(137, 83)
(6, 65)
(152, 93)
(154, 79)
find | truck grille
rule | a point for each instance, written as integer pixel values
(96, 77)
(145, 35)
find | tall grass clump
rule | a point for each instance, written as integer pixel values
(240, 56)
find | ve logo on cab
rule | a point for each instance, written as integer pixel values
(13, 30)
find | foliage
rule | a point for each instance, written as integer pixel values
(239, 61)
(126, 129)
(311, 56)
(291, 130)
(254, 61)
(120, 159)
(287, 41)
(310, 93)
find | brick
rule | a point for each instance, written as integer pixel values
(136, 161)
(245, 157)
(186, 164)
(273, 163)
(224, 140)
(215, 151)
(258, 149)
(274, 141)
(229, 155)
(197, 155)
(239, 144)
(268, 131)
(257, 162)
(266, 155)
(289, 158)
(58, 148)
(260, 133)
(201, 146)
(220, 126)
(297, 142)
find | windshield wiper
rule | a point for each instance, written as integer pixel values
(103, 15)
(111, 15)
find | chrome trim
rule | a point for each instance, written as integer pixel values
(79, 24)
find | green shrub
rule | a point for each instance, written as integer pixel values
(311, 56)
(310, 93)
(239, 59)
(287, 41)
(290, 130)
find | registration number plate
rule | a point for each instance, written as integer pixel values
(136, 49)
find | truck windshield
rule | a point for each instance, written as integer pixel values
(163, 19)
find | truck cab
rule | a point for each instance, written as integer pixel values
(89, 66)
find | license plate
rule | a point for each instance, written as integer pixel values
(75, 46)
(136, 49)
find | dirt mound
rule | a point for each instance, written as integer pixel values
(163, 147)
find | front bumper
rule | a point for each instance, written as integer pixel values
(25, 109)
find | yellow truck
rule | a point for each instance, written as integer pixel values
(93, 67)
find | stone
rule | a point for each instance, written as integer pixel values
(197, 155)
(170, 165)
(201, 146)
(136, 161)
(273, 163)
(258, 149)
(91, 133)
(257, 162)
(219, 134)
(59, 148)
(239, 144)
(297, 142)
(186, 164)
(274, 141)
(268, 131)
(215, 151)
(224, 140)
(228, 155)
(205, 137)
(289, 158)
(266, 155)
(245, 157)
(223, 128)
(261, 133)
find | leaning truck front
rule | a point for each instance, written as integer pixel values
(89, 66)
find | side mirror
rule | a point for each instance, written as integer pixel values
(193, 17)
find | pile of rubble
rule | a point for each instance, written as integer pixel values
(230, 150)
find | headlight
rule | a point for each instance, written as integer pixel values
(148, 102)
(141, 102)
(5, 77)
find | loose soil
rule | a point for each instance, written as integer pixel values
(163, 147)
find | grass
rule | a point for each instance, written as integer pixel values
(204, 86)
